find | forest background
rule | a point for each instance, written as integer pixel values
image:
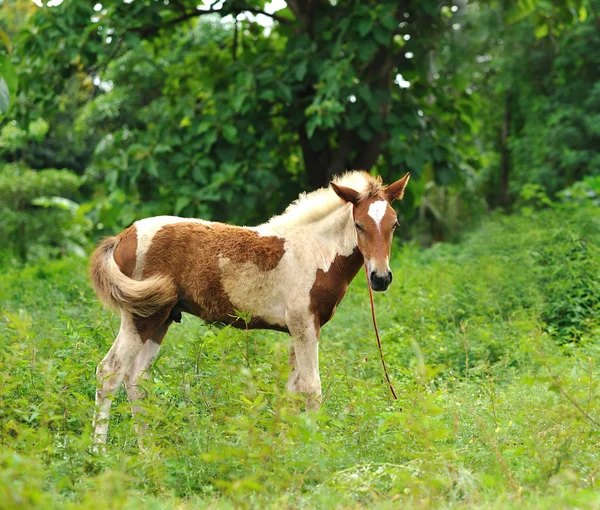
(228, 110)
(115, 110)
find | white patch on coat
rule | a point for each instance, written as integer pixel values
(146, 229)
(284, 291)
(377, 211)
(371, 266)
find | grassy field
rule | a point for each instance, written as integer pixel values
(493, 345)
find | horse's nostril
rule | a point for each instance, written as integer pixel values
(380, 282)
(390, 277)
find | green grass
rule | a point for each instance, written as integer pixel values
(492, 344)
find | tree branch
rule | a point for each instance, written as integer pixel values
(151, 30)
(279, 19)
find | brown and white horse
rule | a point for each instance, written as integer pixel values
(288, 275)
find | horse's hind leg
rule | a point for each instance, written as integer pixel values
(110, 373)
(139, 369)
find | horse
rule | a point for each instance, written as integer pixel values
(288, 274)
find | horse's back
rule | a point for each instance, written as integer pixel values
(217, 268)
(136, 241)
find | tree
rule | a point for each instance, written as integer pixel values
(533, 67)
(207, 111)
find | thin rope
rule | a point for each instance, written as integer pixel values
(377, 335)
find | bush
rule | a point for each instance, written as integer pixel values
(474, 305)
(39, 214)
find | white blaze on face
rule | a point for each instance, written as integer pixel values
(377, 211)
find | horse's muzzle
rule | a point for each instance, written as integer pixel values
(380, 282)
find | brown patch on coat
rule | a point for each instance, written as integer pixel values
(125, 251)
(331, 286)
(188, 253)
(150, 327)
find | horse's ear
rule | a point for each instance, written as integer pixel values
(347, 194)
(396, 191)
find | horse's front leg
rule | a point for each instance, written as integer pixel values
(304, 357)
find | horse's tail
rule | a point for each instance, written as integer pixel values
(118, 291)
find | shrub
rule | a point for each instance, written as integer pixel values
(39, 214)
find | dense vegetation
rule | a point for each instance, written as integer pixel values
(117, 110)
(499, 405)
(228, 109)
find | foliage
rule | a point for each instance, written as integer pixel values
(495, 412)
(532, 69)
(227, 110)
(219, 113)
(586, 192)
(38, 212)
(8, 76)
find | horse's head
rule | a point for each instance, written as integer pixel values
(375, 221)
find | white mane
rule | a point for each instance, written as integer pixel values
(311, 207)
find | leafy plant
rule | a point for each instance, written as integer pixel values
(8, 76)
(500, 408)
(38, 213)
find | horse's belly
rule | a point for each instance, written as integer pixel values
(241, 301)
(255, 294)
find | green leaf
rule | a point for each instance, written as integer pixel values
(364, 26)
(238, 102)
(364, 92)
(300, 70)
(162, 148)
(6, 40)
(541, 31)
(204, 126)
(209, 139)
(230, 133)
(267, 95)
(367, 49)
(4, 96)
(152, 169)
(388, 22)
(59, 202)
(311, 125)
(382, 36)
(8, 83)
(38, 129)
(181, 204)
(286, 91)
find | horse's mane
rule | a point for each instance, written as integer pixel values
(311, 207)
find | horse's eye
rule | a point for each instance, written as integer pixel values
(359, 228)
(397, 224)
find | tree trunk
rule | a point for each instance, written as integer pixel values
(316, 162)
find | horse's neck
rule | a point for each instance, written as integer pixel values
(335, 234)
(330, 241)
